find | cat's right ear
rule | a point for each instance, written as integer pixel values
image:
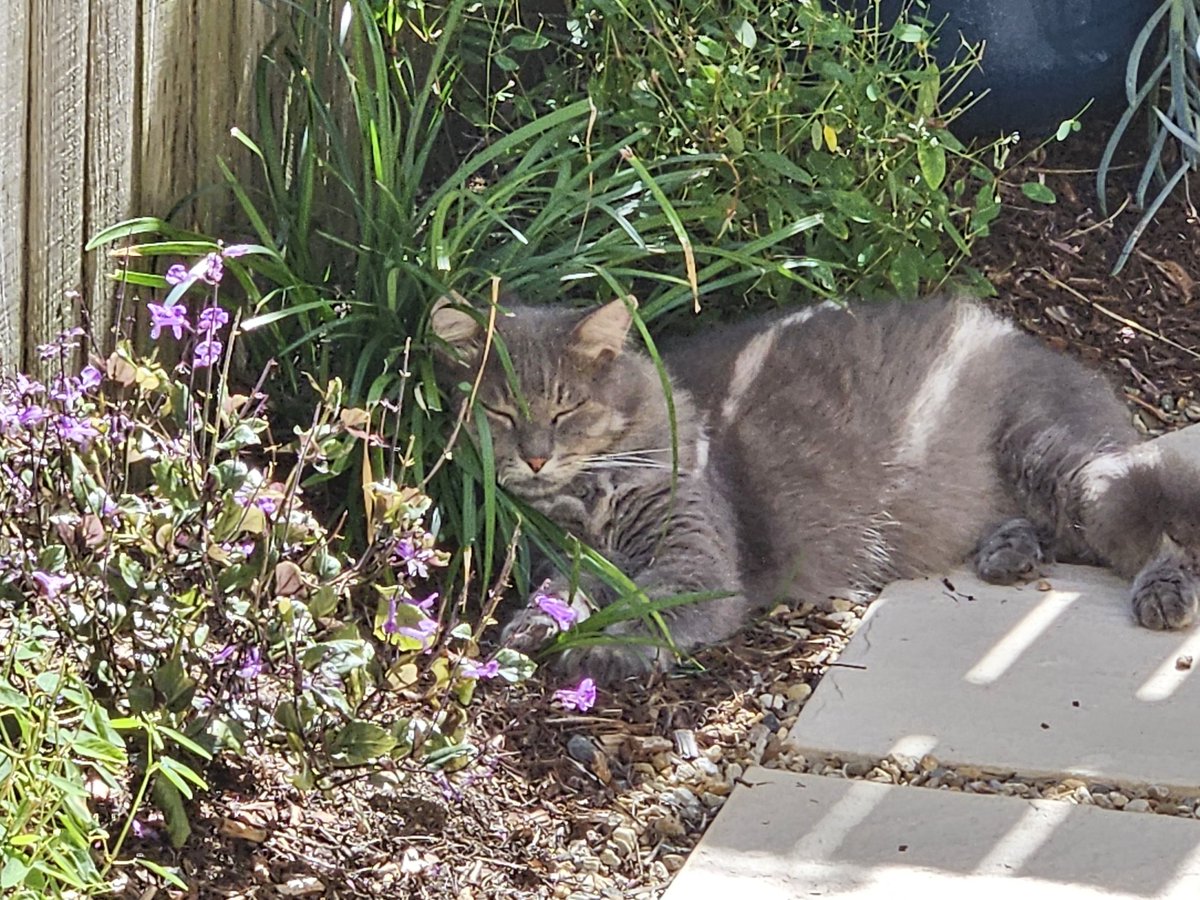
(457, 328)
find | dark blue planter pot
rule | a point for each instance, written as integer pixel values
(1044, 60)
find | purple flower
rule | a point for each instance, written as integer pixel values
(50, 585)
(233, 251)
(207, 353)
(24, 386)
(582, 697)
(423, 631)
(211, 269)
(142, 831)
(253, 665)
(76, 431)
(173, 317)
(556, 608)
(223, 654)
(415, 558)
(90, 378)
(32, 415)
(211, 318)
(268, 505)
(177, 274)
(10, 418)
(470, 668)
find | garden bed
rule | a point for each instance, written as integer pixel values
(608, 803)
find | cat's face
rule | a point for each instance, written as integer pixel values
(573, 397)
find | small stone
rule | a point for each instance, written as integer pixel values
(609, 858)
(706, 766)
(1157, 792)
(841, 604)
(673, 861)
(582, 748)
(685, 743)
(734, 772)
(929, 763)
(1183, 663)
(858, 769)
(624, 840)
(685, 772)
(800, 691)
(1119, 800)
(1138, 805)
(1044, 585)
(669, 826)
(714, 753)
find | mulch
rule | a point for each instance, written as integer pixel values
(550, 791)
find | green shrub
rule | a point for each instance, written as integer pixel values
(810, 113)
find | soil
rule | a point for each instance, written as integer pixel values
(608, 803)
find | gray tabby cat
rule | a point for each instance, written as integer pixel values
(822, 454)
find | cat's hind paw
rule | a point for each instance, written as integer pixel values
(1166, 595)
(1009, 552)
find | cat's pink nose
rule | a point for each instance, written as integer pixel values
(536, 463)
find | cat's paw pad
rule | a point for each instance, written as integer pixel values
(1166, 596)
(1009, 553)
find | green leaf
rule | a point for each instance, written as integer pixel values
(744, 32)
(932, 159)
(359, 742)
(904, 272)
(170, 802)
(1038, 192)
(909, 33)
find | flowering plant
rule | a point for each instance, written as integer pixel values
(159, 544)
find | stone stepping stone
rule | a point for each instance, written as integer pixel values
(787, 835)
(1052, 678)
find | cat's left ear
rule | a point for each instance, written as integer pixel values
(600, 336)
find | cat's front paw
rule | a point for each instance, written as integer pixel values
(611, 664)
(1166, 595)
(528, 631)
(1008, 553)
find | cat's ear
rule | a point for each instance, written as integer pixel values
(450, 322)
(600, 335)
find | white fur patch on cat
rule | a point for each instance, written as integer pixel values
(973, 330)
(746, 367)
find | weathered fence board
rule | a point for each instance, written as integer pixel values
(14, 40)
(108, 109)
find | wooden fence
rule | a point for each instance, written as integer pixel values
(108, 109)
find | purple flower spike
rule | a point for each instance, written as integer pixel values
(31, 416)
(556, 608)
(207, 353)
(171, 317)
(582, 697)
(211, 318)
(50, 585)
(389, 624)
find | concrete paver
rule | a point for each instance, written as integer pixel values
(786, 835)
(1035, 681)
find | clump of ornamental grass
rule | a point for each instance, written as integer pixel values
(169, 593)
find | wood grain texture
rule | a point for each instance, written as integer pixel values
(168, 120)
(113, 151)
(57, 112)
(14, 38)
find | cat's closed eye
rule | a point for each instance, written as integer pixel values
(504, 417)
(563, 414)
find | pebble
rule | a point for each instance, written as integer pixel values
(582, 748)
(624, 840)
(800, 691)
(1138, 805)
